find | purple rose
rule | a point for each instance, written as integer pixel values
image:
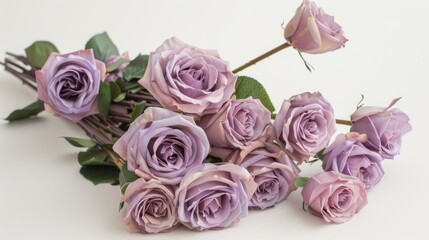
(68, 84)
(212, 197)
(333, 196)
(313, 31)
(238, 123)
(349, 156)
(119, 72)
(151, 207)
(272, 170)
(188, 79)
(304, 125)
(384, 128)
(162, 145)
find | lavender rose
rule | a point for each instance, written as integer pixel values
(238, 123)
(68, 84)
(349, 156)
(214, 197)
(304, 125)
(188, 79)
(162, 145)
(313, 31)
(151, 207)
(272, 170)
(333, 196)
(384, 128)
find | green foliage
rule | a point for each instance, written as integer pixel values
(93, 157)
(38, 52)
(249, 87)
(300, 181)
(102, 46)
(100, 174)
(116, 64)
(138, 110)
(126, 177)
(136, 68)
(80, 142)
(26, 112)
(104, 99)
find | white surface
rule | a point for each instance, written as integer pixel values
(43, 196)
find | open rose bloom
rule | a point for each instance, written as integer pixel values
(187, 79)
(68, 84)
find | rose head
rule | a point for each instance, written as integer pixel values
(188, 79)
(273, 172)
(313, 31)
(333, 196)
(384, 128)
(151, 207)
(349, 156)
(238, 123)
(162, 145)
(68, 84)
(119, 72)
(304, 125)
(212, 197)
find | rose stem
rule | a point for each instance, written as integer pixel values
(263, 56)
(118, 161)
(343, 122)
(94, 133)
(21, 76)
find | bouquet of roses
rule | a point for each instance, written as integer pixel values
(190, 142)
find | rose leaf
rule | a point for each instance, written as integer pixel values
(102, 46)
(26, 112)
(136, 68)
(249, 87)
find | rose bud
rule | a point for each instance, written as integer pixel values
(313, 31)
(383, 126)
(151, 207)
(334, 197)
(304, 125)
(349, 156)
(68, 84)
(163, 145)
(212, 197)
(187, 79)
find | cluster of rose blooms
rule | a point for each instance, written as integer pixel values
(196, 115)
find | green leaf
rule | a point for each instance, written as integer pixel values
(100, 174)
(102, 46)
(126, 177)
(120, 97)
(300, 181)
(38, 52)
(117, 64)
(249, 87)
(26, 112)
(115, 90)
(93, 158)
(104, 99)
(80, 142)
(138, 110)
(136, 68)
(307, 65)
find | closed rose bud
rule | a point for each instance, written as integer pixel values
(68, 84)
(313, 31)
(383, 126)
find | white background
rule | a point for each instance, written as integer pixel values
(43, 196)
